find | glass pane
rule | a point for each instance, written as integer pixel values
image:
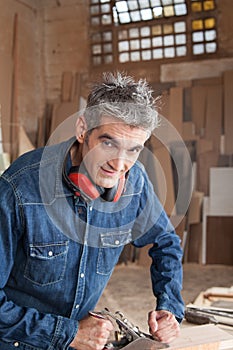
(208, 5)
(136, 16)
(198, 37)
(96, 37)
(198, 49)
(211, 47)
(107, 48)
(169, 52)
(146, 14)
(107, 36)
(180, 27)
(106, 19)
(121, 6)
(180, 39)
(94, 1)
(209, 23)
(210, 35)
(145, 31)
(166, 2)
(94, 10)
(135, 56)
(158, 41)
(158, 11)
(105, 1)
(95, 21)
(155, 3)
(124, 17)
(168, 11)
(123, 34)
(180, 10)
(96, 49)
(168, 28)
(134, 44)
(144, 4)
(134, 33)
(198, 24)
(133, 5)
(108, 59)
(181, 51)
(146, 55)
(168, 40)
(124, 57)
(196, 6)
(96, 60)
(156, 30)
(123, 46)
(105, 8)
(145, 43)
(158, 53)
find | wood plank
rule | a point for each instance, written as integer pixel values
(176, 108)
(228, 110)
(214, 115)
(66, 86)
(205, 161)
(164, 179)
(6, 67)
(198, 108)
(204, 337)
(219, 243)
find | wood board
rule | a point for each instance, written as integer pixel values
(204, 337)
(228, 110)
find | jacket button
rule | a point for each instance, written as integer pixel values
(50, 253)
(117, 242)
(16, 344)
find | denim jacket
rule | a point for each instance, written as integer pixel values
(58, 251)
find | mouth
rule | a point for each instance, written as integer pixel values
(108, 172)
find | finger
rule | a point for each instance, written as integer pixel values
(152, 322)
(169, 333)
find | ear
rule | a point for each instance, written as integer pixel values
(80, 129)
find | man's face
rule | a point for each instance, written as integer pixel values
(111, 149)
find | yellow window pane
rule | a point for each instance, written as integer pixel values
(209, 23)
(209, 5)
(156, 30)
(197, 25)
(168, 28)
(196, 6)
(169, 11)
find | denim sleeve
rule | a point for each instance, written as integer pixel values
(165, 252)
(23, 325)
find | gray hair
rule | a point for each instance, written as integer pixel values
(120, 96)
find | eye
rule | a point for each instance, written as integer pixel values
(136, 150)
(108, 143)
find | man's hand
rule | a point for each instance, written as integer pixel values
(92, 334)
(163, 326)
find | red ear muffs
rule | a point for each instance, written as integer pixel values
(83, 186)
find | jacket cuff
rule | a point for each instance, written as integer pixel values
(175, 307)
(64, 334)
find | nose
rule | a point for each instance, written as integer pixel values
(118, 164)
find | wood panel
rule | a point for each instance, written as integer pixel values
(228, 111)
(219, 240)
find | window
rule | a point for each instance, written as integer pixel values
(144, 30)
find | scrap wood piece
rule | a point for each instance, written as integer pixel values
(204, 337)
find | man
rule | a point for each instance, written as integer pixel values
(67, 210)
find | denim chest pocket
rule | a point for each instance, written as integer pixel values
(112, 245)
(46, 263)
